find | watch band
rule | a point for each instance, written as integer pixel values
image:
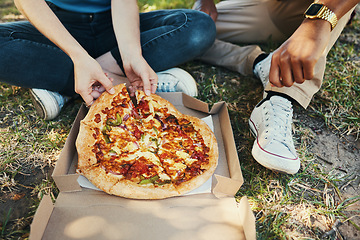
(323, 13)
(329, 16)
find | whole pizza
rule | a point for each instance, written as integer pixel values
(144, 150)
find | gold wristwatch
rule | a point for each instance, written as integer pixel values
(318, 10)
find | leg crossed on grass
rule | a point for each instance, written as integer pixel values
(168, 37)
(251, 22)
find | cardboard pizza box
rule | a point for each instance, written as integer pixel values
(84, 213)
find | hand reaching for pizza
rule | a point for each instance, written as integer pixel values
(140, 75)
(90, 80)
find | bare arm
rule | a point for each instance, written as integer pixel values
(127, 30)
(87, 71)
(295, 59)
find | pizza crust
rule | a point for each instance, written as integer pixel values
(133, 190)
(115, 185)
(84, 143)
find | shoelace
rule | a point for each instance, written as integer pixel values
(264, 78)
(59, 98)
(166, 86)
(280, 115)
(263, 69)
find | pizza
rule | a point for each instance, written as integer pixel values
(144, 150)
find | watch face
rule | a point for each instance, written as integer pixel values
(314, 9)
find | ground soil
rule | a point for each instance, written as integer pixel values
(338, 156)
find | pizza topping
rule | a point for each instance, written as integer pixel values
(149, 180)
(126, 117)
(97, 118)
(157, 117)
(138, 168)
(135, 114)
(143, 107)
(137, 132)
(114, 122)
(106, 129)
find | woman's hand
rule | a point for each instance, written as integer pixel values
(140, 75)
(90, 80)
(126, 22)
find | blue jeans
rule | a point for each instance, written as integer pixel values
(168, 38)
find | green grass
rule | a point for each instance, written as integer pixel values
(303, 206)
(7, 8)
(163, 4)
(337, 101)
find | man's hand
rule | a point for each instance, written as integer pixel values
(206, 6)
(295, 59)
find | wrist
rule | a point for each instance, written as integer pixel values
(317, 24)
(321, 11)
(77, 54)
(129, 54)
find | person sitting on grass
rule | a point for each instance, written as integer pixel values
(292, 73)
(66, 47)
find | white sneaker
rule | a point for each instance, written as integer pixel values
(176, 80)
(47, 104)
(270, 122)
(262, 70)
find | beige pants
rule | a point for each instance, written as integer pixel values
(258, 21)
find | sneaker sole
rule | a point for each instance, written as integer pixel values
(41, 108)
(260, 155)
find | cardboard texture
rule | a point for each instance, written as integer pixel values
(81, 213)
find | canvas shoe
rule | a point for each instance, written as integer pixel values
(262, 70)
(47, 104)
(270, 122)
(176, 80)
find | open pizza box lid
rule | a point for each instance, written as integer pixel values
(83, 213)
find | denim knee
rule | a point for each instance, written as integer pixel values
(203, 32)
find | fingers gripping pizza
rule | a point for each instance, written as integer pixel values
(147, 151)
